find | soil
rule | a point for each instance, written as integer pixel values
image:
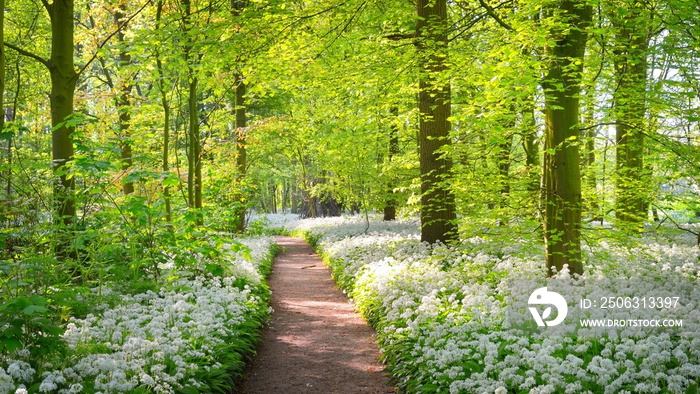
(314, 342)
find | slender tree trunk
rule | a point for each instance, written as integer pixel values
(631, 47)
(124, 100)
(194, 143)
(166, 118)
(240, 138)
(390, 205)
(588, 162)
(285, 196)
(190, 145)
(533, 169)
(197, 151)
(273, 203)
(166, 154)
(2, 98)
(237, 6)
(562, 177)
(532, 159)
(438, 218)
(10, 114)
(124, 104)
(503, 164)
(306, 186)
(194, 163)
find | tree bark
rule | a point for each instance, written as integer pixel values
(295, 199)
(438, 218)
(124, 101)
(63, 82)
(390, 204)
(588, 163)
(194, 160)
(194, 164)
(532, 159)
(561, 167)
(503, 164)
(237, 6)
(166, 118)
(2, 98)
(630, 61)
(240, 139)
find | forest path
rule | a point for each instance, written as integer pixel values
(314, 342)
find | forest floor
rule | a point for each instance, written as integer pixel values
(314, 342)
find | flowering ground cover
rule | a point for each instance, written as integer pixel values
(191, 335)
(442, 313)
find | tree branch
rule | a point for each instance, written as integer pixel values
(400, 36)
(109, 37)
(28, 54)
(46, 5)
(492, 14)
(603, 124)
(343, 30)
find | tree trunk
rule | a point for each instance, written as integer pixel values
(63, 82)
(588, 163)
(194, 163)
(285, 195)
(192, 132)
(631, 47)
(503, 164)
(240, 138)
(197, 152)
(2, 98)
(562, 177)
(273, 202)
(390, 204)
(124, 101)
(532, 159)
(438, 218)
(166, 118)
(166, 154)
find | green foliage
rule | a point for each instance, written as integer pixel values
(25, 324)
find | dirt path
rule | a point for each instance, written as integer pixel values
(315, 342)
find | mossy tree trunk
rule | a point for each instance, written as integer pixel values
(63, 82)
(631, 42)
(561, 166)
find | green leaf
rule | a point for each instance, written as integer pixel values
(53, 330)
(38, 300)
(32, 309)
(215, 269)
(11, 344)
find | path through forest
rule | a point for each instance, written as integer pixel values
(315, 342)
